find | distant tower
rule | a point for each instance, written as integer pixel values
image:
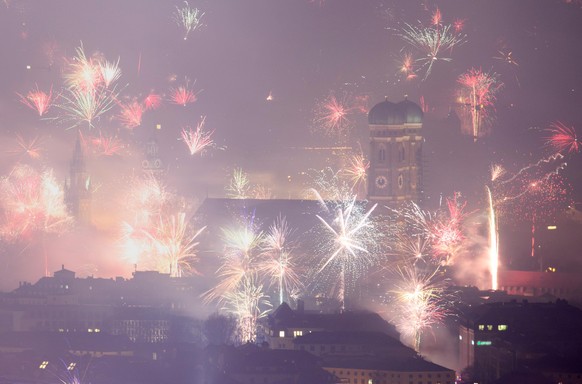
(152, 164)
(78, 187)
(395, 173)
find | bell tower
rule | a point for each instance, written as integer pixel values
(395, 173)
(152, 164)
(78, 194)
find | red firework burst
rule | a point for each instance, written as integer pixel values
(562, 138)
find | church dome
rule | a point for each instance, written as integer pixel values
(411, 112)
(387, 113)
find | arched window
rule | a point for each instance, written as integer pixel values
(401, 152)
(382, 154)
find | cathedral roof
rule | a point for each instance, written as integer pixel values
(388, 113)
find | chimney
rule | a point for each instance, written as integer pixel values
(300, 306)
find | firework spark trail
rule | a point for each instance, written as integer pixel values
(493, 242)
(351, 236)
(38, 100)
(279, 265)
(248, 303)
(183, 95)
(420, 302)
(546, 160)
(110, 72)
(85, 106)
(478, 93)
(175, 247)
(562, 138)
(239, 185)
(446, 232)
(189, 19)
(432, 41)
(198, 140)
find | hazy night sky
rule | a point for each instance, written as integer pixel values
(298, 51)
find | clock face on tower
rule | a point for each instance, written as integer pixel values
(381, 182)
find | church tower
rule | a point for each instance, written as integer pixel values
(395, 173)
(152, 164)
(78, 187)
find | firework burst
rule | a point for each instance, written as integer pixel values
(350, 238)
(419, 302)
(357, 173)
(333, 116)
(433, 42)
(131, 114)
(31, 201)
(198, 140)
(562, 138)
(38, 100)
(175, 246)
(240, 258)
(29, 148)
(478, 94)
(279, 265)
(189, 19)
(247, 304)
(239, 185)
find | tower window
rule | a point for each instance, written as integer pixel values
(401, 152)
(382, 155)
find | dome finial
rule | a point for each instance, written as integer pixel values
(385, 98)
(405, 96)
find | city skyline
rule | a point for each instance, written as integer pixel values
(282, 92)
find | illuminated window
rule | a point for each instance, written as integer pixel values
(281, 333)
(71, 366)
(502, 327)
(297, 333)
(97, 330)
(460, 337)
(43, 365)
(489, 327)
(481, 327)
